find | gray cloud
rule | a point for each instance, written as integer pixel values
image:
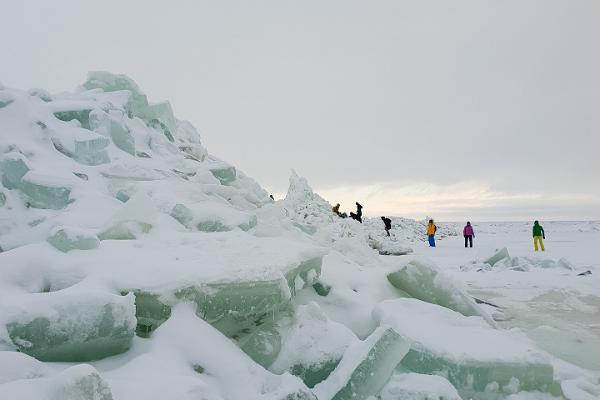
(350, 93)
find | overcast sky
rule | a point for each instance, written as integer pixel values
(481, 109)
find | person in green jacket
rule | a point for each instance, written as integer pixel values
(538, 235)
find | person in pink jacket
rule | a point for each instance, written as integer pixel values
(469, 234)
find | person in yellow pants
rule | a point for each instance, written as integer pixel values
(538, 236)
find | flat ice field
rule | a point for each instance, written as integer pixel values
(135, 265)
(554, 296)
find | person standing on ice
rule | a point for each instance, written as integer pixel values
(388, 224)
(358, 215)
(538, 235)
(469, 234)
(431, 230)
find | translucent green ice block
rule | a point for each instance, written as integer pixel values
(424, 282)
(125, 230)
(66, 240)
(111, 82)
(233, 307)
(150, 312)
(365, 367)
(83, 116)
(263, 343)
(40, 191)
(74, 327)
(225, 173)
(471, 376)
(304, 274)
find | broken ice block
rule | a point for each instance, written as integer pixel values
(413, 386)
(14, 168)
(263, 343)
(499, 255)
(41, 191)
(81, 382)
(313, 345)
(67, 238)
(132, 220)
(2, 199)
(231, 307)
(125, 230)
(465, 350)
(213, 217)
(225, 173)
(66, 326)
(85, 147)
(83, 116)
(112, 82)
(304, 274)
(109, 124)
(425, 282)
(150, 312)
(365, 367)
(160, 115)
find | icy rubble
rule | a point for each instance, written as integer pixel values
(501, 260)
(124, 243)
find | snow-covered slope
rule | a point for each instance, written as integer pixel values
(136, 265)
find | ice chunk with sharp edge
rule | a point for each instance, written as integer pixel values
(85, 147)
(150, 312)
(309, 271)
(498, 256)
(213, 217)
(111, 82)
(67, 238)
(231, 307)
(224, 172)
(41, 191)
(425, 282)
(135, 218)
(111, 124)
(465, 350)
(83, 116)
(263, 343)
(71, 326)
(2, 199)
(365, 367)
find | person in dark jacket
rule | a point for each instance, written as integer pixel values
(388, 224)
(358, 215)
(538, 235)
(469, 234)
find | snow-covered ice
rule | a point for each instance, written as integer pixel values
(126, 245)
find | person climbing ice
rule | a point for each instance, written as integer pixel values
(336, 211)
(538, 235)
(469, 234)
(387, 224)
(358, 215)
(431, 230)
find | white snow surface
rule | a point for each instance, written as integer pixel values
(130, 169)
